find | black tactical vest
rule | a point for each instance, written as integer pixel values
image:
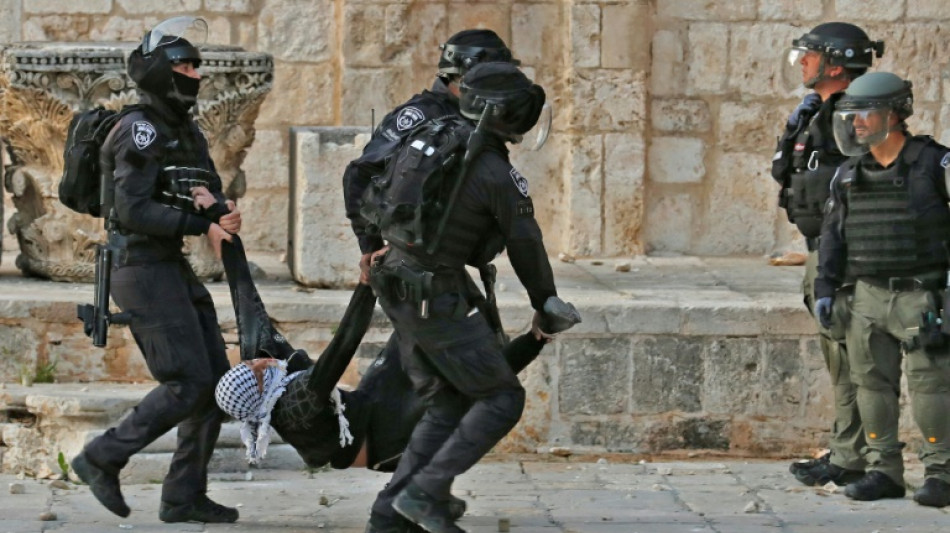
(184, 165)
(815, 158)
(893, 228)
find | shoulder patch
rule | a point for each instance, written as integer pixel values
(143, 133)
(520, 181)
(945, 162)
(408, 118)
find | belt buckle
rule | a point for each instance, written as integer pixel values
(903, 284)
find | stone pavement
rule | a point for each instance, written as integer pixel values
(536, 497)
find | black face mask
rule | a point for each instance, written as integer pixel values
(186, 88)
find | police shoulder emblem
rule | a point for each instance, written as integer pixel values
(945, 162)
(520, 181)
(143, 133)
(408, 118)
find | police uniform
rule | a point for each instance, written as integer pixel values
(804, 164)
(173, 318)
(886, 227)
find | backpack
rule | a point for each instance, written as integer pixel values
(80, 186)
(405, 203)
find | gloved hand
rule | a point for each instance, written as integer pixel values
(823, 310)
(806, 109)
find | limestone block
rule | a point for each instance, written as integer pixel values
(669, 223)
(750, 127)
(58, 6)
(706, 10)
(626, 35)
(117, 28)
(57, 28)
(536, 33)
(943, 135)
(755, 57)
(594, 376)
(924, 120)
(246, 34)
(609, 100)
(546, 171)
(668, 74)
(219, 30)
(818, 394)
(18, 349)
(264, 219)
(667, 374)
(138, 7)
(323, 251)
(680, 116)
(379, 89)
(535, 422)
(298, 30)
(732, 370)
(797, 10)
(782, 379)
(585, 35)
(477, 15)
(11, 21)
(742, 182)
(682, 433)
(676, 160)
(266, 164)
(304, 92)
(882, 10)
(583, 196)
(714, 317)
(624, 161)
(363, 43)
(244, 7)
(77, 359)
(708, 62)
(915, 51)
(414, 31)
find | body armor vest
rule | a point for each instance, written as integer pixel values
(887, 231)
(182, 168)
(815, 159)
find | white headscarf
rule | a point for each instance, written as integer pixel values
(238, 395)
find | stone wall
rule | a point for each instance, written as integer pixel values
(666, 110)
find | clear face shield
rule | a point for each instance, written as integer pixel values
(193, 29)
(858, 130)
(801, 67)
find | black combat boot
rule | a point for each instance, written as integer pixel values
(457, 507)
(934, 493)
(104, 485)
(823, 473)
(422, 509)
(388, 524)
(203, 510)
(807, 464)
(874, 486)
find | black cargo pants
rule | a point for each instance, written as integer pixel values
(472, 396)
(176, 328)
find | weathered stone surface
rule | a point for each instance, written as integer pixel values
(797, 10)
(11, 22)
(585, 35)
(414, 32)
(706, 10)
(264, 219)
(534, 426)
(583, 196)
(117, 28)
(743, 126)
(680, 116)
(728, 363)
(708, 62)
(57, 6)
(298, 30)
(138, 7)
(669, 71)
(323, 249)
(755, 57)
(546, 171)
(621, 47)
(609, 100)
(307, 92)
(266, 164)
(365, 45)
(18, 352)
(595, 376)
(230, 6)
(883, 10)
(669, 223)
(56, 28)
(667, 375)
(535, 29)
(624, 158)
(782, 378)
(676, 160)
(926, 43)
(475, 15)
(379, 89)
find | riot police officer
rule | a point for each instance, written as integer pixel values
(825, 60)
(449, 350)
(461, 52)
(887, 225)
(165, 187)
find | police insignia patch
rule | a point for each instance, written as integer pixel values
(945, 162)
(143, 133)
(520, 182)
(408, 118)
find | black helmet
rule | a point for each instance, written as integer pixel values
(468, 48)
(861, 118)
(150, 64)
(502, 95)
(840, 44)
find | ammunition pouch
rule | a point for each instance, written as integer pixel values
(175, 186)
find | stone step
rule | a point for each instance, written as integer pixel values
(151, 467)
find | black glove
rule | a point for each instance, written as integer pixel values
(805, 110)
(823, 309)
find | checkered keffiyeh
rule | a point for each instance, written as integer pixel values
(237, 395)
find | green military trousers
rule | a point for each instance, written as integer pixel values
(880, 321)
(847, 436)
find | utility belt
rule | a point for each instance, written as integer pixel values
(812, 243)
(930, 281)
(407, 283)
(933, 328)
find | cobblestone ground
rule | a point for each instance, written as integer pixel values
(534, 497)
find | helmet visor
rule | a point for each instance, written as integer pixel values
(535, 138)
(794, 68)
(193, 29)
(857, 131)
